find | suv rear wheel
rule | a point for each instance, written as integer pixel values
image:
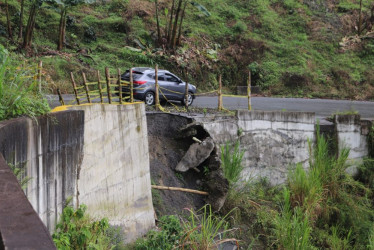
(149, 98)
(189, 99)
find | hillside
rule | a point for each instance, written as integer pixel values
(302, 48)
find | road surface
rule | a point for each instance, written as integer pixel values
(322, 107)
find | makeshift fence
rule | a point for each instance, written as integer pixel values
(111, 91)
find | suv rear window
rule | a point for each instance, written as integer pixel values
(135, 75)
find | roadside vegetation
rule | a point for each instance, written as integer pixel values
(76, 230)
(19, 89)
(293, 48)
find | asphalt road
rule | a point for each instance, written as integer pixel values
(322, 107)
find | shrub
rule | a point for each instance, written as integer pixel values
(168, 237)
(77, 231)
(19, 90)
(239, 27)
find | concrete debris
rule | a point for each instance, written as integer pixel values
(196, 154)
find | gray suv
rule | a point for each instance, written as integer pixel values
(171, 86)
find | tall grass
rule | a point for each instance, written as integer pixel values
(205, 230)
(19, 90)
(231, 158)
(329, 196)
(292, 228)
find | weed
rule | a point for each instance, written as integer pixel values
(76, 231)
(19, 170)
(231, 158)
(168, 237)
(205, 230)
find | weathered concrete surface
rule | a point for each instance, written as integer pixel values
(50, 149)
(196, 154)
(272, 141)
(96, 154)
(350, 134)
(20, 225)
(114, 180)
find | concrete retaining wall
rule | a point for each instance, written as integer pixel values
(114, 179)
(275, 141)
(96, 154)
(272, 141)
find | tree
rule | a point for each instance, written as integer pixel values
(173, 29)
(63, 7)
(35, 5)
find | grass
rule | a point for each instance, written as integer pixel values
(19, 93)
(231, 159)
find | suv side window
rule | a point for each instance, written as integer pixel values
(161, 77)
(171, 78)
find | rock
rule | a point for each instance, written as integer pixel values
(217, 186)
(196, 154)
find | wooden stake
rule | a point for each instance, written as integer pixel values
(74, 87)
(119, 86)
(40, 75)
(86, 87)
(249, 91)
(131, 86)
(60, 97)
(108, 85)
(99, 85)
(157, 101)
(180, 189)
(220, 93)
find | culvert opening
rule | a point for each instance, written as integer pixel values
(183, 155)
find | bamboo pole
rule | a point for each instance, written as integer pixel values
(119, 85)
(249, 91)
(74, 87)
(180, 189)
(60, 97)
(99, 85)
(131, 86)
(220, 93)
(86, 87)
(40, 75)
(108, 85)
(157, 87)
(186, 93)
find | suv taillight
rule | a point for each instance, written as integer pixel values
(140, 82)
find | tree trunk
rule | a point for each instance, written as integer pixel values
(20, 26)
(10, 35)
(360, 19)
(181, 23)
(158, 23)
(61, 30)
(171, 20)
(174, 32)
(29, 27)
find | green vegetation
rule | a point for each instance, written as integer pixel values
(320, 208)
(292, 48)
(231, 159)
(19, 89)
(77, 231)
(200, 230)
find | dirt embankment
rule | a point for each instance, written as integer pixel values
(168, 144)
